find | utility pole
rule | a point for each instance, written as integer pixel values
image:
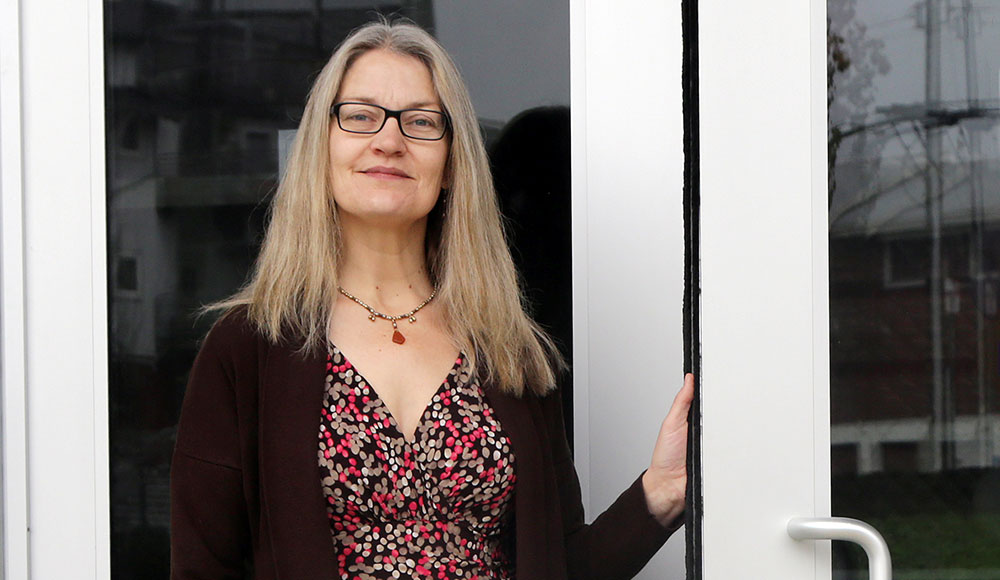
(934, 185)
(976, 218)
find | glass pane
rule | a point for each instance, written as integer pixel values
(203, 97)
(914, 199)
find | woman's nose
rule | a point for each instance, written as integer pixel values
(390, 138)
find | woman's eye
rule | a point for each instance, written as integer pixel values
(423, 122)
(359, 115)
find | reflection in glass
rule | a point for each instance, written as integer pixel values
(202, 98)
(914, 200)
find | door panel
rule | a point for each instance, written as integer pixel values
(849, 308)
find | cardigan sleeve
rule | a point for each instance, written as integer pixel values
(209, 527)
(622, 539)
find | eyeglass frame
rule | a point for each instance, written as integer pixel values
(389, 113)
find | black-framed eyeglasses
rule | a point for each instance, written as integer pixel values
(368, 119)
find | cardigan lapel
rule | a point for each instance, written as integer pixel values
(533, 516)
(291, 497)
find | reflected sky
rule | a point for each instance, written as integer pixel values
(899, 24)
(879, 104)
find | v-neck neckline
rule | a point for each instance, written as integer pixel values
(359, 376)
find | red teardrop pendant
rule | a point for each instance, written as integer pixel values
(398, 337)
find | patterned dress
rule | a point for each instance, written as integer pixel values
(437, 507)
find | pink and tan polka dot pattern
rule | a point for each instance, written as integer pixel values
(437, 507)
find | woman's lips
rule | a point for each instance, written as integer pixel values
(386, 172)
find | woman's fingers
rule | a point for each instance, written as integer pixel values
(670, 452)
(682, 402)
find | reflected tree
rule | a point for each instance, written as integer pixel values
(853, 59)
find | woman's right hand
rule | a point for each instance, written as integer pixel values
(665, 481)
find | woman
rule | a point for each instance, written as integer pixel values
(318, 438)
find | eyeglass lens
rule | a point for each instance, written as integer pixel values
(367, 118)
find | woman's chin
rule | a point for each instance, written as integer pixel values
(386, 209)
(384, 218)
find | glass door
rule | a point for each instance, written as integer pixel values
(914, 253)
(850, 216)
(130, 202)
(203, 101)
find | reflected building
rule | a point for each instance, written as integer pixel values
(899, 408)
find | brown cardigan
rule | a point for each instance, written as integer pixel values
(245, 484)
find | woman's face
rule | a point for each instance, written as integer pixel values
(386, 178)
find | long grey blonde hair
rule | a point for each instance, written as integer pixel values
(293, 286)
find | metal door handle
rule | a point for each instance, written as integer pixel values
(851, 530)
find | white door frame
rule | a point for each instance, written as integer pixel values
(628, 243)
(13, 429)
(55, 411)
(765, 335)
